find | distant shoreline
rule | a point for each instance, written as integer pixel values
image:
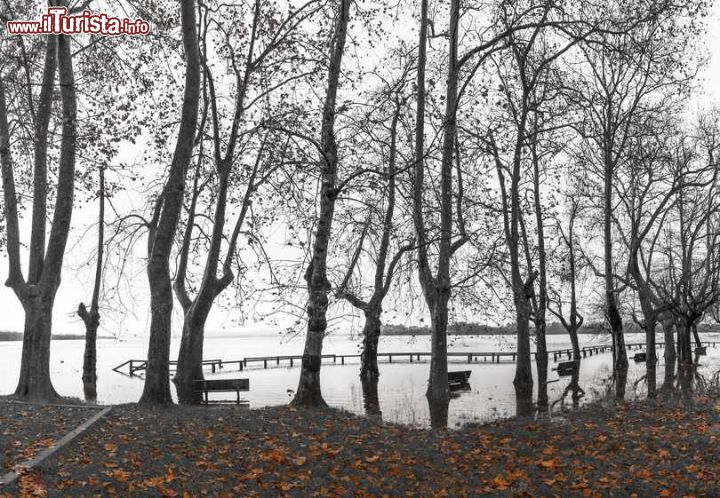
(474, 329)
(17, 336)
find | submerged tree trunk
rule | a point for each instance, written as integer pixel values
(89, 375)
(669, 376)
(667, 324)
(371, 337)
(541, 355)
(698, 342)
(523, 381)
(167, 212)
(308, 392)
(371, 399)
(438, 392)
(684, 343)
(91, 317)
(613, 315)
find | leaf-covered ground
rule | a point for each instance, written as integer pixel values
(658, 448)
(27, 429)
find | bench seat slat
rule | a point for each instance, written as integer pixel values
(222, 385)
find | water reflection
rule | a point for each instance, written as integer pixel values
(438, 413)
(669, 377)
(621, 377)
(371, 399)
(523, 405)
(651, 378)
(573, 388)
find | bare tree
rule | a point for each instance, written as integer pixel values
(269, 42)
(37, 292)
(386, 259)
(308, 392)
(91, 317)
(165, 220)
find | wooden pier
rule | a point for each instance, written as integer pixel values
(134, 366)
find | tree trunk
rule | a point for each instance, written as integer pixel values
(575, 343)
(621, 361)
(621, 377)
(371, 399)
(89, 376)
(189, 365)
(371, 337)
(698, 342)
(669, 376)
(190, 357)
(35, 382)
(613, 315)
(541, 355)
(541, 361)
(438, 391)
(308, 392)
(667, 325)
(523, 381)
(91, 318)
(157, 378)
(38, 297)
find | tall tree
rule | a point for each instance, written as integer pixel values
(37, 292)
(385, 260)
(629, 73)
(271, 40)
(91, 317)
(308, 392)
(165, 220)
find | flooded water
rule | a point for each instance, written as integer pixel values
(401, 390)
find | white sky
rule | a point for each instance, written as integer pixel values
(76, 284)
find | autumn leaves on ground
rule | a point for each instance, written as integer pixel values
(665, 447)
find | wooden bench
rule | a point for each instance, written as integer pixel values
(566, 368)
(700, 351)
(640, 357)
(221, 385)
(457, 380)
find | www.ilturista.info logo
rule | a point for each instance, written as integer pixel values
(57, 22)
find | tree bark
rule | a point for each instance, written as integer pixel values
(371, 336)
(157, 378)
(189, 366)
(371, 399)
(35, 382)
(667, 324)
(698, 342)
(308, 392)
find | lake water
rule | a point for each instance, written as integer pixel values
(402, 385)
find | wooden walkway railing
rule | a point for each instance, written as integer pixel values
(134, 366)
